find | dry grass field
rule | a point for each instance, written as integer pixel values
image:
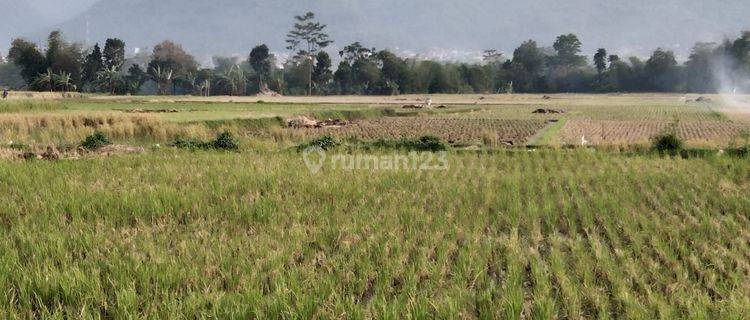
(614, 119)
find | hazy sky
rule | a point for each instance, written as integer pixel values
(59, 10)
(439, 28)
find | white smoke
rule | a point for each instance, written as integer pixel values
(732, 85)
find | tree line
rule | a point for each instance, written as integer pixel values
(169, 69)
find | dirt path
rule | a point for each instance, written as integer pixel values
(548, 135)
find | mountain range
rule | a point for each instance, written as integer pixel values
(208, 27)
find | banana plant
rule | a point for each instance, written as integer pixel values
(46, 80)
(163, 79)
(235, 79)
(64, 81)
(190, 81)
(108, 78)
(204, 87)
(133, 87)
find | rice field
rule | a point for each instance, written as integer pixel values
(529, 231)
(549, 234)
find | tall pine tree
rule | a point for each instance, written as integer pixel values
(92, 65)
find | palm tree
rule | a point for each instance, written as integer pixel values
(64, 81)
(163, 79)
(109, 78)
(46, 80)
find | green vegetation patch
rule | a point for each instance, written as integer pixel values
(425, 143)
(349, 114)
(547, 135)
(223, 141)
(95, 141)
(246, 124)
(31, 106)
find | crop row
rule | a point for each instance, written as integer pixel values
(615, 132)
(598, 112)
(456, 131)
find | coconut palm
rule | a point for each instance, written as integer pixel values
(108, 78)
(64, 81)
(163, 78)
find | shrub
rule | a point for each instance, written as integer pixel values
(186, 143)
(425, 143)
(742, 152)
(428, 143)
(325, 143)
(223, 141)
(389, 112)
(95, 141)
(668, 143)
